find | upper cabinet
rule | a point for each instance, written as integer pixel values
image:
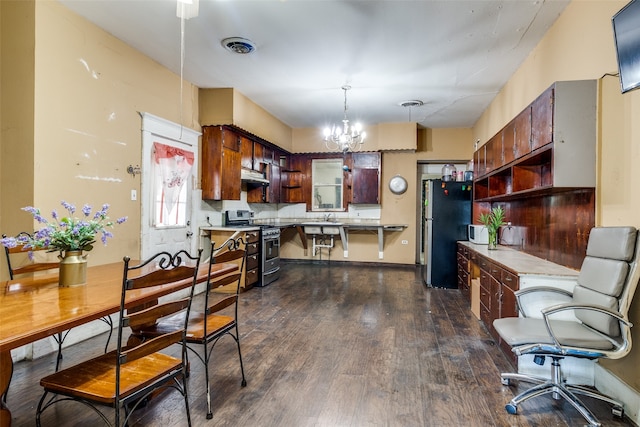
(364, 185)
(550, 146)
(221, 157)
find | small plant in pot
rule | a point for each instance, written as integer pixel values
(493, 221)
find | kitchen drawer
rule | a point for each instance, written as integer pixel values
(251, 277)
(484, 264)
(252, 248)
(253, 261)
(511, 280)
(495, 271)
(485, 298)
(252, 236)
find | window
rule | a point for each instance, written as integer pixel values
(327, 184)
(171, 171)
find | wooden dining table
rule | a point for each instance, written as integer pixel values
(37, 307)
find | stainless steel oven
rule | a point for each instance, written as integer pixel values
(270, 254)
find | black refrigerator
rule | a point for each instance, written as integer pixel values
(447, 214)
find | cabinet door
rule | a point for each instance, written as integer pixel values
(508, 142)
(230, 179)
(365, 185)
(274, 183)
(246, 148)
(522, 129)
(211, 164)
(365, 178)
(479, 161)
(542, 119)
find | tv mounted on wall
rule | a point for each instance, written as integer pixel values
(626, 31)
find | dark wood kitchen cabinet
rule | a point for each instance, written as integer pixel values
(553, 142)
(497, 297)
(364, 183)
(221, 163)
(464, 270)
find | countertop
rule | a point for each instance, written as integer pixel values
(520, 262)
(294, 222)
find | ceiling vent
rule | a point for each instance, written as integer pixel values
(238, 45)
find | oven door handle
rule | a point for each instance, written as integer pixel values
(272, 271)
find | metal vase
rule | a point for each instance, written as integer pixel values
(73, 269)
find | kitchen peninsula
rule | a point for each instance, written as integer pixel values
(344, 226)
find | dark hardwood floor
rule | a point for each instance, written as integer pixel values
(335, 345)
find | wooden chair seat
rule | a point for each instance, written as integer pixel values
(216, 324)
(95, 379)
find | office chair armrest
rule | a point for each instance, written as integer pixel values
(546, 296)
(548, 311)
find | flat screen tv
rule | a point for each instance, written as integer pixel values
(626, 30)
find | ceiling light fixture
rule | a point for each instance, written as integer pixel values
(238, 45)
(187, 9)
(410, 104)
(344, 138)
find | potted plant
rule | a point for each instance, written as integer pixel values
(493, 221)
(70, 236)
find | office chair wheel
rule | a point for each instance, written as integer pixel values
(618, 411)
(244, 383)
(505, 381)
(511, 408)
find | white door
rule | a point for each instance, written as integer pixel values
(166, 214)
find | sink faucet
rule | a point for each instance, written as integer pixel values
(327, 217)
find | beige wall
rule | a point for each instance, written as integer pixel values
(17, 31)
(228, 106)
(78, 127)
(451, 144)
(580, 46)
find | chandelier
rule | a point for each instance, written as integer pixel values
(346, 137)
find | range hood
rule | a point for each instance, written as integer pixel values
(253, 177)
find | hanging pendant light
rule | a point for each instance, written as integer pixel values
(344, 137)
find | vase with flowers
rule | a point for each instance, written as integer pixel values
(493, 221)
(69, 235)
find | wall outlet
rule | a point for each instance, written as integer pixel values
(405, 242)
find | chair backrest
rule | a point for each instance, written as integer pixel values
(19, 263)
(609, 277)
(233, 251)
(161, 269)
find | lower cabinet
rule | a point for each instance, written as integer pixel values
(252, 264)
(251, 272)
(497, 290)
(464, 270)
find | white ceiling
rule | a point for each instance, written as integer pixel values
(454, 55)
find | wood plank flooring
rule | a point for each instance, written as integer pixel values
(335, 345)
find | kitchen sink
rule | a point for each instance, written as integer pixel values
(322, 227)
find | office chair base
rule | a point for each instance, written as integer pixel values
(559, 389)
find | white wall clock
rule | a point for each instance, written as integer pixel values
(398, 185)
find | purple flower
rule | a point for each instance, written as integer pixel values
(69, 207)
(9, 242)
(54, 214)
(86, 210)
(105, 235)
(121, 220)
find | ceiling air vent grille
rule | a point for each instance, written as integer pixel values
(238, 45)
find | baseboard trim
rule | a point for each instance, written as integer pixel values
(609, 384)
